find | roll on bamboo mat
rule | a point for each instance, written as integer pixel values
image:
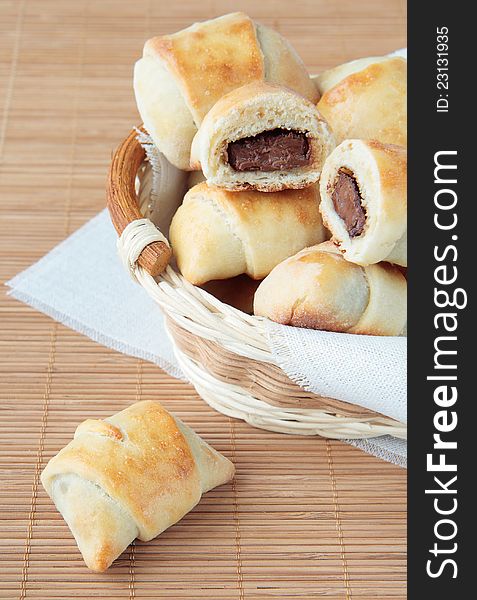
(304, 517)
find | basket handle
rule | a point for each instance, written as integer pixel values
(123, 205)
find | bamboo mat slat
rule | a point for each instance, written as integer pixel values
(304, 518)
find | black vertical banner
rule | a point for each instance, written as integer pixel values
(442, 227)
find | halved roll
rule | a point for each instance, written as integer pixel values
(364, 201)
(263, 137)
(366, 99)
(318, 289)
(217, 234)
(181, 76)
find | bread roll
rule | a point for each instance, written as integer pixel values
(131, 475)
(263, 137)
(331, 77)
(318, 289)
(366, 99)
(181, 76)
(364, 201)
(217, 234)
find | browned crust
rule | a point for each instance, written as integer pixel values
(369, 104)
(211, 58)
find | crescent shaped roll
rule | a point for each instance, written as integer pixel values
(366, 99)
(263, 137)
(364, 201)
(318, 289)
(181, 76)
(132, 475)
(217, 234)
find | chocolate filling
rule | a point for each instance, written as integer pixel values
(274, 150)
(347, 202)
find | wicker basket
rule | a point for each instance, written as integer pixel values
(224, 352)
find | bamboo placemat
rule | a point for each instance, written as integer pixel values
(304, 517)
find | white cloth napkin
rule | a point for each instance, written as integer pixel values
(82, 284)
(361, 369)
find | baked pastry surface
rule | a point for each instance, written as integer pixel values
(181, 76)
(318, 289)
(217, 234)
(366, 99)
(132, 475)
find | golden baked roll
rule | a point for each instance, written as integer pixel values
(364, 201)
(131, 475)
(263, 137)
(366, 99)
(217, 234)
(181, 76)
(331, 77)
(318, 289)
